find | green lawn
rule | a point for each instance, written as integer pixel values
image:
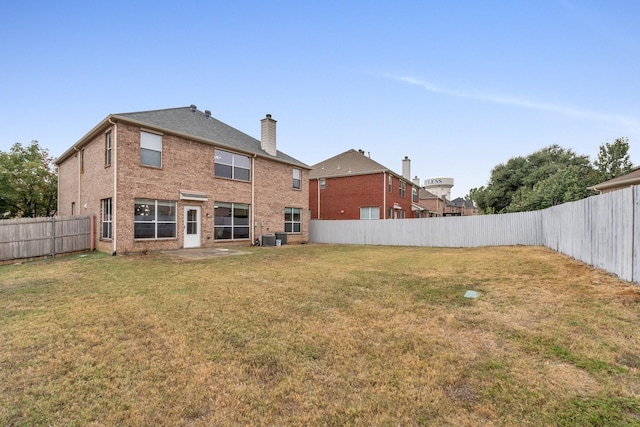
(320, 335)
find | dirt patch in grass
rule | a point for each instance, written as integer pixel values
(319, 335)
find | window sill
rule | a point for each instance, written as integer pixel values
(226, 178)
(151, 166)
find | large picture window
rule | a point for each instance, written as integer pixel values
(292, 220)
(150, 149)
(231, 221)
(370, 213)
(232, 165)
(106, 219)
(154, 219)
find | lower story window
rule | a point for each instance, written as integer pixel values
(106, 219)
(292, 220)
(154, 219)
(370, 213)
(231, 221)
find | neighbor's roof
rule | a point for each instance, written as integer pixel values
(190, 123)
(426, 194)
(631, 178)
(350, 162)
(460, 202)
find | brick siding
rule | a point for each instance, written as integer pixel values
(186, 165)
(343, 197)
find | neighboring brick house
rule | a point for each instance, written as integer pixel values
(622, 181)
(434, 205)
(459, 207)
(353, 186)
(177, 178)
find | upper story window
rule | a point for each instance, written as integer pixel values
(323, 183)
(297, 178)
(150, 149)
(414, 194)
(107, 149)
(402, 188)
(390, 184)
(232, 165)
(82, 161)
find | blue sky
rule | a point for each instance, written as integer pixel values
(457, 86)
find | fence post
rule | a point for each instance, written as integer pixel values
(53, 234)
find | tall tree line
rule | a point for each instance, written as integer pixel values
(548, 177)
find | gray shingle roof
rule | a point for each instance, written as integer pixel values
(460, 202)
(196, 124)
(350, 162)
(630, 178)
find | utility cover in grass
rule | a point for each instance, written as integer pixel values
(471, 294)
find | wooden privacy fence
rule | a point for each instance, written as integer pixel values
(37, 237)
(603, 231)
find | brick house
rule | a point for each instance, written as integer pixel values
(179, 178)
(434, 205)
(459, 207)
(353, 186)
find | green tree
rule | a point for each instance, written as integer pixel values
(28, 182)
(613, 159)
(549, 176)
(567, 184)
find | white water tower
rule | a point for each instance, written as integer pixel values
(440, 186)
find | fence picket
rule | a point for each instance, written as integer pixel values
(600, 231)
(36, 237)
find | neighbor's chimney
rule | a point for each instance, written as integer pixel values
(416, 181)
(406, 168)
(268, 136)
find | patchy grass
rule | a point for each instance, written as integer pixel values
(319, 335)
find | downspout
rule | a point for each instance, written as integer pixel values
(79, 176)
(114, 203)
(384, 195)
(58, 191)
(253, 199)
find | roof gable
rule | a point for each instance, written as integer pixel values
(351, 162)
(191, 123)
(630, 178)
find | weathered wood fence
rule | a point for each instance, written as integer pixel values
(37, 237)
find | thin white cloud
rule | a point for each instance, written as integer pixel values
(566, 111)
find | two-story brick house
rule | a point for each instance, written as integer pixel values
(179, 178)
(353, 186)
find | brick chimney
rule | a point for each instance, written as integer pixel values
(268, 135)
(406, 168)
